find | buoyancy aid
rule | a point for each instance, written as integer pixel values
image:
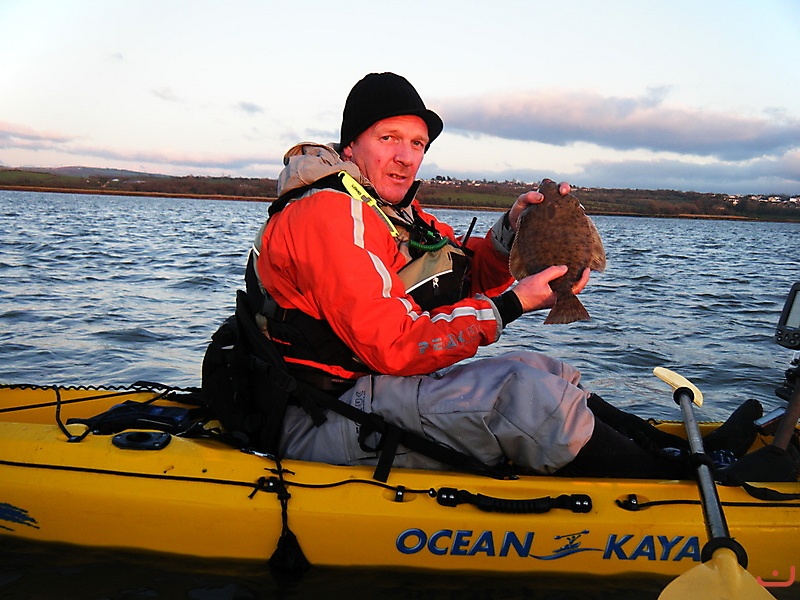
(437, 274)
(331, 256)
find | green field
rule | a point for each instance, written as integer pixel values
(13, 177)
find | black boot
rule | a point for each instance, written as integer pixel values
(737, 434)
(765, 464)
(609, 453)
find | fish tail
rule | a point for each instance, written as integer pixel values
(566, 310)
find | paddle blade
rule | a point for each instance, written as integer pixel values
(675, 381)
(721, 578)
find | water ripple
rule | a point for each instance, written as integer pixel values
(99, 289)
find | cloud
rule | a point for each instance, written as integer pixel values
(643, 122)
(20, 136)
(166, 93)
(250, 107)
(200, 160)
(770, 175)
(765, 175)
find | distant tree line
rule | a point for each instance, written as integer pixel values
(439, 192)
(667, 203)
(204, 186)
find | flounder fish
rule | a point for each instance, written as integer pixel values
(557, 231)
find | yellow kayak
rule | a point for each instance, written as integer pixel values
(153, 491)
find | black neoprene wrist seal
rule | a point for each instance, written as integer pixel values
(509, 306)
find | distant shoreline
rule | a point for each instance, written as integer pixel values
(55, 190)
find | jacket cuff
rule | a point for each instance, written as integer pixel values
(508, 305)
(503, 235)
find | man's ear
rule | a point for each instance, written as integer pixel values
(347, 152)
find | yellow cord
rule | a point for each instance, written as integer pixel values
(357, 191)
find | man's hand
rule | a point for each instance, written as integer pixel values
(529, 198)
(534, 291)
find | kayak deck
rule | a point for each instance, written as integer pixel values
(199, 497)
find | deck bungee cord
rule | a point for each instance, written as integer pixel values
(133, 418)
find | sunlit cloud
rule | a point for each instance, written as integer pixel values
(637, 170)
(20, 136)
(204, 160)
(764, 174)
(26, 139)
(643, 122)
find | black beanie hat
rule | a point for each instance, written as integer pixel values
(380, 96)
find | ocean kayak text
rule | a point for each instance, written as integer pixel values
(465, 542)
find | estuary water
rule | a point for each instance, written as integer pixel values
(108, 290)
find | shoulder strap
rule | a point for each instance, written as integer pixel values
(329, 181)
(344, 182)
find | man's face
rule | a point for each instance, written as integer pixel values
(389, 154)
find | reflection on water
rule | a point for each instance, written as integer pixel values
(110, 290)
(50, 572)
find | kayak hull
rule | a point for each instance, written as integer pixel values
(205, 499)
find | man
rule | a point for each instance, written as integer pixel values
(349, 266)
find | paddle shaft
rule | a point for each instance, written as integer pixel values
(716, 526)
(722, 574)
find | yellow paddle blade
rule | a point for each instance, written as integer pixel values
(676, 381)
(721, 578)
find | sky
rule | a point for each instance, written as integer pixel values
(689, 95)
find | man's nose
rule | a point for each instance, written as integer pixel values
(404, 154)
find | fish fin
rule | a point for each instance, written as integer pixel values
(516, 265)
(566, 310)
(597, 262)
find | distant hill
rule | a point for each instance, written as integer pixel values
(95, 172)
(120, 181)
(441, 191)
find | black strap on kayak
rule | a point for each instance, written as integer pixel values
(392, 437)
(633, 504)
(288, 558)
(768, 494)
(577, 503)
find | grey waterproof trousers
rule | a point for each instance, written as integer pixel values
(523, 406)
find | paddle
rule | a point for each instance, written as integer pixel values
(722, 574)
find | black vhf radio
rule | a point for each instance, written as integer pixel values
(787, 335)
(788, 332)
